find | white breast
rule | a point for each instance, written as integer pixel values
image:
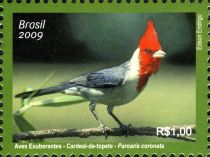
(124, 93)
(132, 73)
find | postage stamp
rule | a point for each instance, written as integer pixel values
(108, 78)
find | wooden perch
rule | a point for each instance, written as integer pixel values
(84, 133)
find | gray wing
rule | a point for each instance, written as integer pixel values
(105, 78)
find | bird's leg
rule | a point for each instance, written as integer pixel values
(110, 111)
(124, 127)
(92, 107)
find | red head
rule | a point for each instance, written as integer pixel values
(150, 51)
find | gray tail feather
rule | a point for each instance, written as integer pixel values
(44, 91)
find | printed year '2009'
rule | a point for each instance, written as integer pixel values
(31, 30)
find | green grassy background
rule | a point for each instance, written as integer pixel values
(168, 99)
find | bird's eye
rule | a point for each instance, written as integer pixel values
(148, 51)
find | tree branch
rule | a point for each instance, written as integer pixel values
(84, 133)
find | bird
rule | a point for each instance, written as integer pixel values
(114, 86)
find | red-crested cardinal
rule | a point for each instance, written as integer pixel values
(114, 86)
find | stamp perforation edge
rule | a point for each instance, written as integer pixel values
(104, 1)
(208, 69)
(1, 76)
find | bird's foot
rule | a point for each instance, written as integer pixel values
(126, 129)
(104, 130)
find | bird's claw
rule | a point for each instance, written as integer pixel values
(104, 130)
(126, 129)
